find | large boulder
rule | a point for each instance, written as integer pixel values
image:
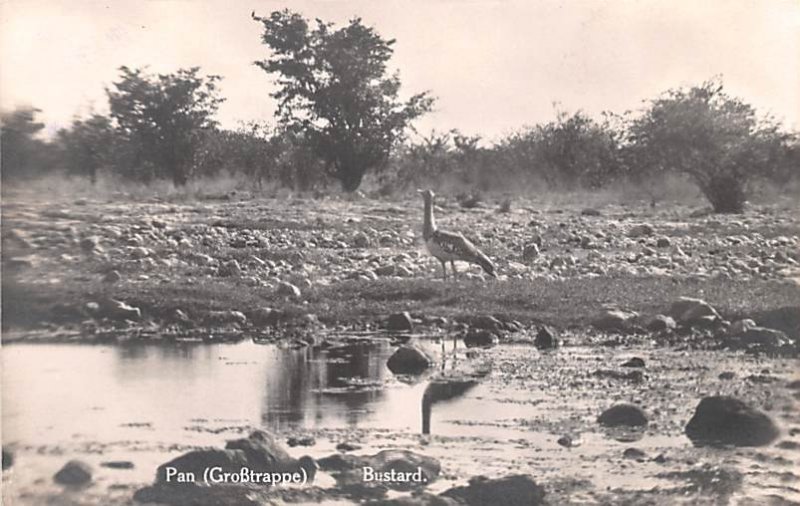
(419, 469)
(194, 463)
(409, 360)
(722, 420)
(622, 415)
(615, 320)
(516, 490)
(400, 322)
(546, 338)
(74, 472)
(688, 311)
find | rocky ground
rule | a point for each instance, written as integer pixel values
(608, 279)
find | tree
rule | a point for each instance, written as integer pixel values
(334, 89)
(716, 139)
(23, 154)
(87, 146)
(164, 119)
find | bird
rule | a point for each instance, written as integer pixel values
(449, 246)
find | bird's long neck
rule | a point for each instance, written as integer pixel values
(429, 222)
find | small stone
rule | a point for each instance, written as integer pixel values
(288, 290)
(301, 441)
(634, 362)
(634, 453)
(589, 211)
(614, 320)
(361, 240)
(480, 338)
(230, 268)
(727, 375)
(74, 472)
(641, 230)
(661, 323)
(8, 458)
(530, 251)
(346, 446)
(623, 415)
(663, 242)
(112, 277)
(118, 464)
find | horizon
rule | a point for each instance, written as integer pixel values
(495, 66)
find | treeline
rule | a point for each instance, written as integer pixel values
(339, 118)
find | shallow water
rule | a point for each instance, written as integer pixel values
(149, 403)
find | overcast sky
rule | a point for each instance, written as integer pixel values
(495, 65)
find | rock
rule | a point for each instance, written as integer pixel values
(633, 376)
(641, 230)
(530, 251)
(634, 362)
(741, 326)
(661, 323)
(288, 290)
(74, 472)
(301, 441)
(516, 490)
(690, 311)
(589, 211)
(348, 469)
(408, 360)
(361, 240)
(480, 338)
(623, 415)
(112, 277)
(190, 494)
(761, 336)
(214, 318)
(663, 242)
(634, 453)
(486, 322)
(722, 420)
(546, 338)
(337, 462)
(265, 316)
(118, 464)
(119, 311)
(727, 375)
(138, 252)
(569, 441)
(8, 458)
(400, 322)
(615, 321)
(197, 461)
(89, 244)
(230, 268)
(386, 270)
(423, 499)
(346, 446)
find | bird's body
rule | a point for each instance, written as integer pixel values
(448, 246)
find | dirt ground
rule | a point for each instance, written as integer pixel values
(220, 269)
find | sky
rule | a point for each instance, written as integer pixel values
(494, 65)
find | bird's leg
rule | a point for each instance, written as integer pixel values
(444, 270)
(453, 265)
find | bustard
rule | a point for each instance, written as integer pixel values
(447, 246)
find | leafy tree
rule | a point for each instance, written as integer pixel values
(88, 146)
(569, 150)
(164, 119)
(23, 154)
(334, 89)
(714, 138)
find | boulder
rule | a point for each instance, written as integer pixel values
(119, 311)
(400, 322)
(661, 323)
(623, 415)
(690, 311)
(409, 360)
(723, 420)
(516, 490)
(262, 452)
(634, 362)
(546, 338)
(197, 461)
(641, 230)
(389, 461)
(615, 320)
(480, 338)
(112, 277)
(74, 472)
(265, 317)
(230, 268)
(227, 317)
(762, 336)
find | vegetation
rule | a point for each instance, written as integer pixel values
(339, 118)
(335, 90)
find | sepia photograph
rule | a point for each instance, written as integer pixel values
(400, 252)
